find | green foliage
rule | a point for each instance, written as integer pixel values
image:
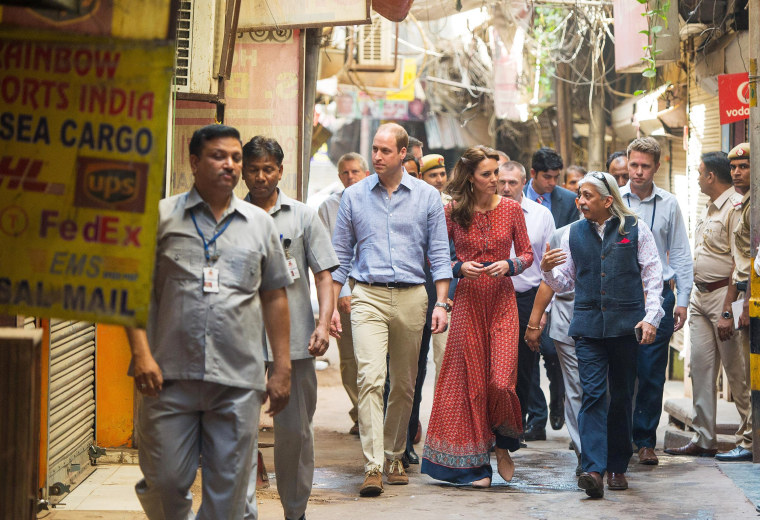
(546, 20)
(657, 20)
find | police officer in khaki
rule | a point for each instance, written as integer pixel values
(711, 319)
(737, 291)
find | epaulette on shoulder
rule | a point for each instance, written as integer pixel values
(736, 200)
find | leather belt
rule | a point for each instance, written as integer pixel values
(390, 285)
(710, 287)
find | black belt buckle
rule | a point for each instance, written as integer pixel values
(701, 287)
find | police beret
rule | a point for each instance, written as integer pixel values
(430, 161)
(740, 151)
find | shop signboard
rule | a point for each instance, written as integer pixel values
(82, 156)
(733, 97)
(256, 15)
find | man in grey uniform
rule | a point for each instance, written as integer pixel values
(200, 368)
(307, 246)
(561, 316)
(351, 169)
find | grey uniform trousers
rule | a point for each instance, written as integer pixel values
(293, 444)
(189, 420)
(573, 391)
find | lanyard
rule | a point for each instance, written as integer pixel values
(206, 245)
(654, 208)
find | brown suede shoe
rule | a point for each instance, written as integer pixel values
(617, 481)
(693, 450)
(373, 484)
(648, 457)
(354, 429)
(394, 471)
(592, 484)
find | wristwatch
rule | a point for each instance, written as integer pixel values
(726, 315)
(444, 305)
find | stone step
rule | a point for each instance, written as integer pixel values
(727, 418)
(676, 438)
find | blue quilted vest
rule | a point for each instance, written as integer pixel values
(609, 296)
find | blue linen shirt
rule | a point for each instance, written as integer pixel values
(661, 213)
(393, 235)
(532, 195)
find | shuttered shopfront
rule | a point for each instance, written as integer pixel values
(71, 403)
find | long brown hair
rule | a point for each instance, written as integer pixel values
(460, 187)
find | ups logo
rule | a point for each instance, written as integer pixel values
(109, 184)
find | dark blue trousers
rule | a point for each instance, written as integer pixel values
(605, 428)
(651, 364)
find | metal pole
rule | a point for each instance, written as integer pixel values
(754, 143)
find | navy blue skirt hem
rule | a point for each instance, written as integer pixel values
(455, 475)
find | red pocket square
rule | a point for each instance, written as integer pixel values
(624, 241)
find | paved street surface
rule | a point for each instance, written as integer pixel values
(543, 486)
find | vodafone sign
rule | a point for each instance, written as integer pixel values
(733, 97)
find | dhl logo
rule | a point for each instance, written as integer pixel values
(23, 174)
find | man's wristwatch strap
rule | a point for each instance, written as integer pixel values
(443, 305)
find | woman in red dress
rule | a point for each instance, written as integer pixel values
(475, 403)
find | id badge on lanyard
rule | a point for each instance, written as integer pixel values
(210, 273)
(292, 264)
(210, 280)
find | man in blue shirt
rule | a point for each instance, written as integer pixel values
(660, 210)
(395, 223)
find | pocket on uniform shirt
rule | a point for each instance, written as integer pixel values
(240, 270)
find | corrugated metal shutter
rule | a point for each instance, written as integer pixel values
(71, 401)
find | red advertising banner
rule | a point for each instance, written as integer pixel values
(733, 97)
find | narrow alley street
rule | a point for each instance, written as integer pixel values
(544, 486)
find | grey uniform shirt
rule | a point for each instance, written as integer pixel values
(562, 307)
(214, 337)
(311, 248)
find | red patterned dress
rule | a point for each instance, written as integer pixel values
(475, 403)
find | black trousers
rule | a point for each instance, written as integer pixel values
(526, 358)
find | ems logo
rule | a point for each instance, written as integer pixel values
(109, 184)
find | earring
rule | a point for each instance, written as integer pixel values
(471, 187)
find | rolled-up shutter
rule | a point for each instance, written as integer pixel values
(71, 401)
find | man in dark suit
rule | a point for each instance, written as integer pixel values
(546, 167)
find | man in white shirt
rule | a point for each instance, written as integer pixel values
(540, 224)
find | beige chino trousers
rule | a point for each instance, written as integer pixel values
(386, 321)
(707, 354)
(348, 374)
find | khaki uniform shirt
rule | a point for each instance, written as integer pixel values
(712, 249)
(740, 243)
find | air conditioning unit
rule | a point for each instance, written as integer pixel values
(200, 38)
(376, 45)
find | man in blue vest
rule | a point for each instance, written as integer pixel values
(611, 260)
